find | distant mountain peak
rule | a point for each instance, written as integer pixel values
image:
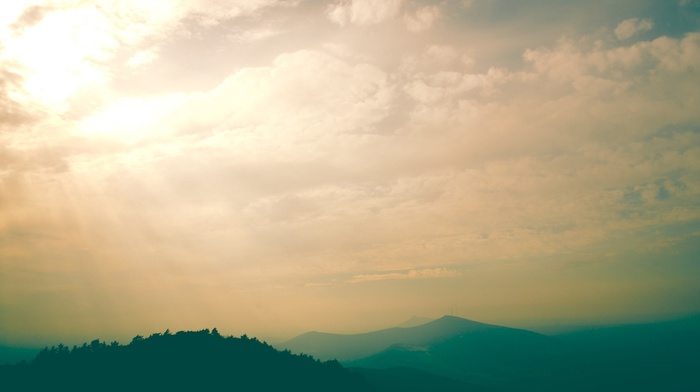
(455, 320)
(356, 346)
(452, 317)
(415, 321)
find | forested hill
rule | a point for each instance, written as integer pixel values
(184, 361)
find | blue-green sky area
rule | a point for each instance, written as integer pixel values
(272, 167)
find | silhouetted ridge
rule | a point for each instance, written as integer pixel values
(352, 347)
(185, 361)
(467, 351)
(448, 324)
(414, 322)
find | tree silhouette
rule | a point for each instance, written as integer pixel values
(192, 360)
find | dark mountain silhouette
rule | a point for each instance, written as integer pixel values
(185, 361)
(353, 347)
(448, 354)
(466, 351)
(459, 352)
(11, 354)
(641, 357)
(406, 379)
(472, 352)
(414, 322)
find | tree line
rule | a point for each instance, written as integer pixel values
(186, 360)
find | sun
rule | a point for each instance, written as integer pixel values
(58, 54)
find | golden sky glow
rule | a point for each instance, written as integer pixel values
(270, 167)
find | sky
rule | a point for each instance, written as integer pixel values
(274, 167)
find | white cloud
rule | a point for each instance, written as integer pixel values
(630, 27)
(305, 95)
(422, 19)
(257, 110)
(211, 12)
(61, 54)
(142, 57)
(363, 12)
(131, 120)
(254, 35)
(310, 148)
(65, 48)
(310, 165)
(428, 273)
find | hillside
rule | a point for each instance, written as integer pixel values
(353, 347)
(11, 354)
(472, 352)
(406, 379)
(185, 361)
(460, 349)
(414, 322)
(459, 352)
(445, 355)
(642, 357)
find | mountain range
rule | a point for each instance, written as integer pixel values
(449, 354)
(655, 356)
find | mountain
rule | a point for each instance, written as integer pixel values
(185, 361)
(405, 379)
(463, 350)
(472, 352)
(10, 354)
(414, 322)
(346, 348)
(460, 353)
(448, 354)
(642, 357)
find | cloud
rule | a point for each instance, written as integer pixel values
(298, 164)
(212, 12)
(254, 35)
(254, 106)
(12, 113)
(30, 17)
(630, 27)
(142, 57)
(293, 164)
(422, 19)
(428, 273)
(363, 12)
(63, 50)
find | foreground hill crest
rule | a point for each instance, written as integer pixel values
(184, 361)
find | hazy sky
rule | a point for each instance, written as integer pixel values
(271, 167)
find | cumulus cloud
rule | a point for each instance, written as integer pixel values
(317, 168)
(628, 28)
(254, 35)
(12, 112)
(298, 164)
(422, 19)
(212, 12)
(254, 105)
(142, 58)
(63, 49)
(363, 12)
